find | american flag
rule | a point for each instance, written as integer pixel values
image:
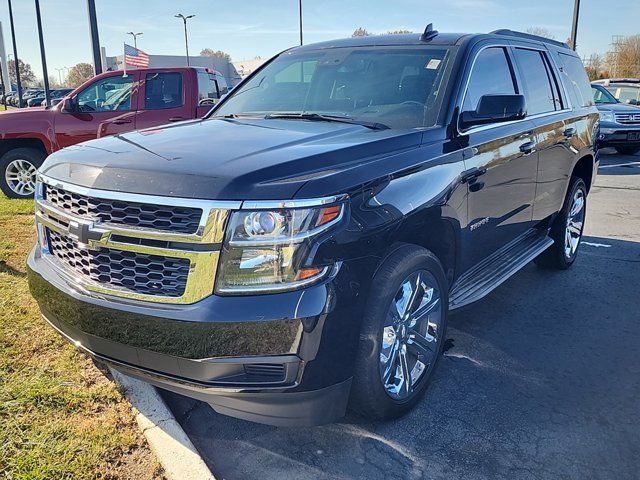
(135, 57)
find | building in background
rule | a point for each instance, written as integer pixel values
(246, 67)
(222, 65)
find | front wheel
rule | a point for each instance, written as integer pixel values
(18, 168)
(402, 334)
(627, 150)
(567, 229)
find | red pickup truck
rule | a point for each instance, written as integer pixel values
(108, 104)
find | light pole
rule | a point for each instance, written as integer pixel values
(16, 63)
(45, 73)
(95, 38)
(135, 38)
(300, 14)
(186, 39)
(60, 70)
(574, 26)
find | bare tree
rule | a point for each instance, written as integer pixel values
(207, 52)
(79, 74)
(360, 32)
(541, 32)
(27, 77)
(624, 60)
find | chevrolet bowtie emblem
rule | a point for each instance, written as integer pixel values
(84, 232)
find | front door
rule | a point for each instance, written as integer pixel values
(106, 107)
(164, 100)
(504, 159)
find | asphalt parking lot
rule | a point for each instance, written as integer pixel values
(541, 380)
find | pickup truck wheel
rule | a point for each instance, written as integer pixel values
(627, 150)
(18, 169)
(402, 334)
(567, 229)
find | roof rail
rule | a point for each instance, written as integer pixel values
(428, 34)
(513, 33)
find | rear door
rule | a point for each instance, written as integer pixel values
(551, 117)
(105, 107)
(500, 198)
(165, 98)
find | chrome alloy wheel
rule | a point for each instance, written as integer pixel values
(575, 224)
(20, 176)
(411, 335)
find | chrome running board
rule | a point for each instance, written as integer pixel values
(494, 270)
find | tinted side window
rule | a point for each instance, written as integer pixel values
(207, 86)
(491, 75)
(222, 84)
(628, 94)
(540, 97)
(576, 80)
(107, 95)
(163, 90)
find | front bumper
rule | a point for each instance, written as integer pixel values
(618, 135)
(278, 359)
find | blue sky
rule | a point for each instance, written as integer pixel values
(248, 28)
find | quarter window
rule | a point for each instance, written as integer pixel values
(491, 75)
(539, 94)
(107, 95)
(163, 90)
(576, 80)
(207, 86)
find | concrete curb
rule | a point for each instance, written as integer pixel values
(167, 439)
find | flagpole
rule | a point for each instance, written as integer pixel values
(124, 60)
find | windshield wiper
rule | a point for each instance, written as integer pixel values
(320, 117)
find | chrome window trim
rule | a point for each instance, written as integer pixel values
(508, 47)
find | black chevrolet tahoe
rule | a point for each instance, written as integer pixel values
(297, 252)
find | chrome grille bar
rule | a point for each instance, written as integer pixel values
(92, 234)
(627, 118)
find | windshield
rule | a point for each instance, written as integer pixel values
(397, 87)
(602, 96)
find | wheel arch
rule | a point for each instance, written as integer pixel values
(7, 145)
(437, 235)
(584, 170)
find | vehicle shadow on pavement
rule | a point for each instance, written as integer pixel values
(612, 164)
(541, 380)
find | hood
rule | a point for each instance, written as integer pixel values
(225, 159)
(619, 108)
(21, 120)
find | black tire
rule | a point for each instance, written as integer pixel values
(556, 256)
(30, 155)
(369, 397)
(627, 150)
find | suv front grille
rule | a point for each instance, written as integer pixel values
(139, 247)
(146, 215)
(627, 117)
(134, 272)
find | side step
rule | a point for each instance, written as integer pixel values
(494, 270)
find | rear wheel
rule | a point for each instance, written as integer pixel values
(627, 150)
(402, 334)
(18, 168)
(567, 229)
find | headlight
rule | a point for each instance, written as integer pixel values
(607, 117)
(267, 250)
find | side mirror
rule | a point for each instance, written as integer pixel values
(68, 105)
(495, 109)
